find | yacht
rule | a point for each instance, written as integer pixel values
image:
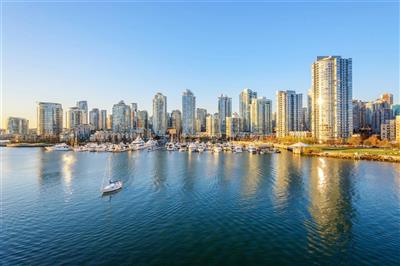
(59, 147)
(251, 149)
(192, 147)
(238, 149)
(137, 144)
(202, 147)
(151, 144)
(183, 147)
(170, 146)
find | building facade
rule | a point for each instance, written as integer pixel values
(17, 125)
(103, 120)
(289, 109)
(188, 113)
(159, 115)
(74, 117)
(224, 111)
(233, 126)
(83, 105)
(332, 116)
(176, 122)
(261, 116)
(201, 116)
(94, 118)
(245, 99)
(121, 117)
(49, 119)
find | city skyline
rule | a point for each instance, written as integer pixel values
(209, 65)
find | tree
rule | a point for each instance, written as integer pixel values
(355, 140)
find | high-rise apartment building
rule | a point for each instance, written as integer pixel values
(387, 97)
(83, 105)
(17, 125)
(289, 107)
(224, 111)
(74, 117)
(142, 120)
(134, 110)
(176, 118)
(213, 125)
(94, 118)
(388, 130)
(397, 128)
(201, 119)
(188, 113)
(49, 119)
(245, 99)
(103, 120)
(160, 114)
(261, 116)
(233, 126)
(332, 116)
(121, 117)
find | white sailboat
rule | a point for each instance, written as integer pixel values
(111, 186)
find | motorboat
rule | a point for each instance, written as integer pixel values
(59, 147)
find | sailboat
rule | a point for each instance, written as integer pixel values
(112, 186)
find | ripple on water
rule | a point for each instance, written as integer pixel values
(236, 209)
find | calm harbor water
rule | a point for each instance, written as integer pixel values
(196, 209)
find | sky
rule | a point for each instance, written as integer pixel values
(104, 52)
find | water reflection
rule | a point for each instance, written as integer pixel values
(49, 167)
(287, 178)
(330, 194)
(159, 170)
(68, 161)
(252, 174)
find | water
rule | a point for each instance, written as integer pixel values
(196, 209)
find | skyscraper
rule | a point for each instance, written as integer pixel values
(84, 107)
(121, 117)
(177, 121)
(245, 98)
(134, 111)
(103, 120)
(74, 117)
(188, 113)
(261, 116)
(94, 118)
(159, 114)
(142, 120)
(17, 125)
(49, 119)
(224, 110)
(289, 107)
(201, 119)
(387, 97)
(332, 98)
(233, 126)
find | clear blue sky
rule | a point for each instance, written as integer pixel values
(105, 52)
